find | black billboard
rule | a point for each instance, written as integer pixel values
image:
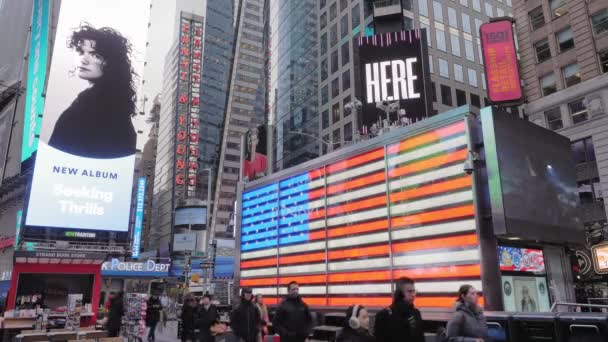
(394, 77)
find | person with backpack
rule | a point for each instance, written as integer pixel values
(356, 328)
(401, 321)
(468, 323)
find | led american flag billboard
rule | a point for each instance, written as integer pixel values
(347, 229)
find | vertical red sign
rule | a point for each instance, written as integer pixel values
(500, 61)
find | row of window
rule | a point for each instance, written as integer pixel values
(576, 109)
(335, 87)
(559, 8)
(458, 72)
(564, 40)
(336, 138)
(571, 76)
(335, 113)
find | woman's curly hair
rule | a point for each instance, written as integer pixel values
(118, 74)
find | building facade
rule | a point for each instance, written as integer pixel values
(455, 59)
(293, 81)
(206, 118)
(245, 107)
(563, 48)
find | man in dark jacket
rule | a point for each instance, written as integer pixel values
(293, 321)
(115, 315)
(207, 314)
(153, 315)
(401, 321)
(245, 319)
(220, 333)
(189, 318)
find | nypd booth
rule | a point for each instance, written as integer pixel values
(131, 276)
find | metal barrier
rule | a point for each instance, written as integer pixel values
(579, 306)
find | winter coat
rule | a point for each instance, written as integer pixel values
(245, 321)
(467, 325)
(398, 323)
(226, 337)
(355, 335)
(153, 311)
(292, 320)
(189, 317)
(115, 314)
(205, 319)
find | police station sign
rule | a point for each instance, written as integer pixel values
(393, 68)
(149, 268)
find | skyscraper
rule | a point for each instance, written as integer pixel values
(455, 55)
(188, 139)
(245, 109)
(293, 81)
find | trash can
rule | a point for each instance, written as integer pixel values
(533, 327)
(498, 323)
(583, 326)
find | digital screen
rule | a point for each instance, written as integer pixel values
(190, 216)
(394, 69)
(500, 62)
(521, 259)
(532, 180)
(255, 163)
(85, 160)
(139, 216)
(525, 294)
(600, 258)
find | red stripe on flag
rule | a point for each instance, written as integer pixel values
(431, 216)
(318, 173)
(358, 252)
(428, 164)
(447, 242)
(356, 183)
(454, 184)
(259, 263)
(302, 258)
(460, 271)
(358, 228)
(350, 207)
(426, 138)
(355, 161)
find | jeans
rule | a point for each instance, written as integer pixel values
(151, 333)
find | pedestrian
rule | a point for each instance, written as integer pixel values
(207, 314)
(153, 315)
(219, 332)
(293, 321)
(468, 323)
(401, 321)
(356, 328)
(115, 314)
(245, 319)
(259, 302)
(189, 317)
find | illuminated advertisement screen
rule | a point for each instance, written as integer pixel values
(521, 259)
(255, 163)
(600, 258)
(327, 226)
(500, 62)
(139, 216)
(394, 70)
(85, 161)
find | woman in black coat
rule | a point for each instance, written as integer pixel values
(115, 315)
(153, 315)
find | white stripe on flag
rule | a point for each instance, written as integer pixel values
(283, 270)
(433, 230)
(434, 175)
(358, 240)
(317, 183)
(442, 257)
(306, 290)
(433, 202)
(259, 272)
(353, 195)
(313, 246)
(361, 288)
(381, 263)
(427, 151)
(445, 286)
(267, 291)
(355, 172)
(259, 254)
(356, 217)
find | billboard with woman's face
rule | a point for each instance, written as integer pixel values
(255, 164)
(84, 166)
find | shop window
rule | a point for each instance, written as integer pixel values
(578, 111)
(565, 40)
(600, 21)
(559, 8)
(543, 52)
(446, 95)
(461, 98)
(571, 75)
(547, 84)
(554, 118)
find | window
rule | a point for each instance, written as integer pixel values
(333, 35)
(324, 70)
(571, 74)
(483, 81)
(464, 3)
(489, 10)
(559, 8)
(334, 61)
(348, 132)
(537, 18)
(324, 95)
(440, 35)
(343, 5)
(604, 60)
(336, 139)
(472, 77)
(433, 92)
(423, 7)
(323, 20)
(547, 84)
(345, 53)
(458, 75)
(477, 6)
(333, 12)
(455, 42)
(446, 95)
(407, 4)
(322, 3)
(554, 118)
(509, 3)
(437, 11)
(468, 49)
(542, 50)
(335, 113)
(346, 100)
(600, 21)
(335, 87)
(325, 116)
(323, 43)
(500, 12)
(466, 23)
(565, 41)
(344, 25)
(453, 20)
(325, 146)
(578, 111)
(428, 33)
(443, 68)
(431, 66)
(475, 101)
(583, 151)
(356, 15)
(461, 98)
(346, 80)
